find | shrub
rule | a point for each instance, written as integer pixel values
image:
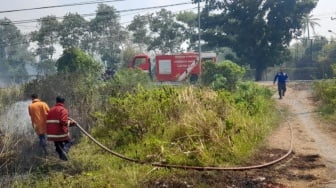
(194, 126)
(224, 75)
(325, 91)
(125, 81)
(74, 60)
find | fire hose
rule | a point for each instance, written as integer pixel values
(188, 167)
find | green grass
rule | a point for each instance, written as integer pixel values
(325, 93)
(185, 126)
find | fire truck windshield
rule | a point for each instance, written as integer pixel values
(139, 61)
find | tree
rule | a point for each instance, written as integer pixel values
(327, 60)
(72, 30)
(14, 52)
(46, 67)
(75, 61)
(308, 22)
(128, 52)
(159, 32)
(258, 31)
(315, 48)
(166, 33)
(303, 54)
(190, 19)
(46, 37)
(139, 29)
(107, 35)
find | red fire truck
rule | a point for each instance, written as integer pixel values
(172, 68)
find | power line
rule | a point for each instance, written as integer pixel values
(92, 14)
(189, 9)
(143, 9)
(123, 23)
(58, 6)
(140, 9)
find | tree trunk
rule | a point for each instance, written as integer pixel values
(259, 73)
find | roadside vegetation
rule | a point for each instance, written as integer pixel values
(219, 121)
(210, 124)
(325, 93)
(7, 97)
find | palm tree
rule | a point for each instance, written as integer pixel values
(308, 22)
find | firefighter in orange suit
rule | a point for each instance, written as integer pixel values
(38, 111)
(58, 128)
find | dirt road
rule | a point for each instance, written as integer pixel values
(314, 141)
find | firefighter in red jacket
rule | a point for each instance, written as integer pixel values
(58, 125)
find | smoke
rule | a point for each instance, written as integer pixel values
(4, 82)
(16, 119)
(8, 79)
(20, 144)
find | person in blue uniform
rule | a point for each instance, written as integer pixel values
(282, 78)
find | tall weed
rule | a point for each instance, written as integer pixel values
(186, 125)
(8, 141)
(325, 92)
(9, 95)
(166, 124)
(174, 125)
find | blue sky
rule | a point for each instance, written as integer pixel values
(324, 11)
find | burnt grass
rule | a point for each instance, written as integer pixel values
(293, 168)
(267, 177)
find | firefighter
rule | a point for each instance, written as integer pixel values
(282, 78)
(58, 125)
(38, 111)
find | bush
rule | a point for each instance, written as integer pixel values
(189, 125)
(125, 81)
(8, 96)
(74, 60)
(325, 91)
(224, 75)
(253, 97)
(77, 80)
